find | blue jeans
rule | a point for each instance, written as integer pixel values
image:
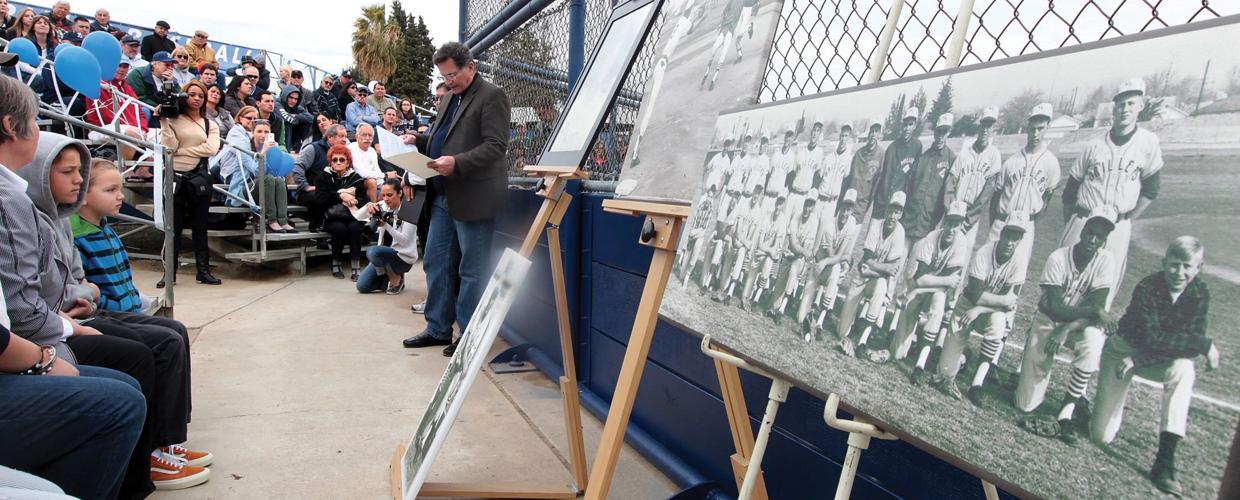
(457, 265)
(381, 259)
(77, 432)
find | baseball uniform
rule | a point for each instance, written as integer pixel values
(1024, 181)
(928, 254)
(969, 179)
(699, 235)
(1111, 174)
(824, 283)
(865, 165)
(782, 164)
(1085, 342)
(834, 169)
(807, 164)
(997, 278)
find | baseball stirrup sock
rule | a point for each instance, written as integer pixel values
(991, 348)
(1068, 409)
(923, 355)
(979, 378)
(1079, 383)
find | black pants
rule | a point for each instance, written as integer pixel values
(136, 360)
(424, 219)
(313, 213)
(154, 330)
(193, 210)
(345, 232)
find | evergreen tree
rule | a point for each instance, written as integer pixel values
(892, 126)
(398, 16)
(942, 104)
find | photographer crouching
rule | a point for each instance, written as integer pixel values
(193, 138)
(388, 264)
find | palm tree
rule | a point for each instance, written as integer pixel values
(376, 43)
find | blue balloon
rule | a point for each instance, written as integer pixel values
(78, 69)
(106, 50)
(60, 48)
(25, 50)
(279, 163)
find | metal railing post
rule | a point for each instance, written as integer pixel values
(878, 61)
(959, 32)
(576, 41)
(170, 233)
(262, 203)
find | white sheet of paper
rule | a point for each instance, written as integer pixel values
(405, 156)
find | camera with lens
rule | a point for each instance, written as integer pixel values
(387, 216)
(170, 101)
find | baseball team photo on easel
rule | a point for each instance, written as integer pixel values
(1025, 266)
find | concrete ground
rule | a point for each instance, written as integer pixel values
(302, 390)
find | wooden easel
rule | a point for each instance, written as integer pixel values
(661, 231)
(550, 214)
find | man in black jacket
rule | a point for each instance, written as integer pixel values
(158, 41)
(468, 145)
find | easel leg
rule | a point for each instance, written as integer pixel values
(992, 493)
(630, 374)
(568, 382)
(776, 397)
(859, 434)
(742, 434)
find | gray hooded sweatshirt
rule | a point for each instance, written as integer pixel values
(50, 265)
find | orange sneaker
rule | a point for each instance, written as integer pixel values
(191, 457)
(168, 473)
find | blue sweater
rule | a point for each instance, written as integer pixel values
(106, 265)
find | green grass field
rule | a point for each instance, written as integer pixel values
(1197, 198)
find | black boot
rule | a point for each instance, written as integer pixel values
(1163, 472)
(175, 263)
(203, 259)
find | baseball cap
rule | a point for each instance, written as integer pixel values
(1017, 221)
(817, 121)
(1105, 215)
(1045, 110)
(945, 120)
(72, 37)
(362, 89)
(911, 112)
(346, 74)
(875, 126)
(163, 24)
(8, 59)
(1129, 86)
(846, 125)
(957, 211)
(850, 196)
(131, 40)
(898, 199)
(989, 113)
(162, 56)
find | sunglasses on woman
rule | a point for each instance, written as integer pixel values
(340, 160)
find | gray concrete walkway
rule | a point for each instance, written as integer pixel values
(302, 390)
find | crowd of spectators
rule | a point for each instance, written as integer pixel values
(95, 388)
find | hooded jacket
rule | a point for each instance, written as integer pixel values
(296, 119)
(324, 101)
(49, 266)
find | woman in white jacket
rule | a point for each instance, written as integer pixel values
(388, 264)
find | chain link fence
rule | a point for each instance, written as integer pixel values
(824, 45)
(820, 45)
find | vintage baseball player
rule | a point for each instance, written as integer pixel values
(928, 183)
(807, 164)
(865, 166)
(799, 254)
(883, 255)
(836, 238)
(1119, 170)
(997, 271)
(775, 218)
(728, 23)
(1072, 313)
(938, 261)
(971, 178)
(836, 164)
(699, 235)
(1028, 178)
(744, 242)
(782, 165)
(681, 20)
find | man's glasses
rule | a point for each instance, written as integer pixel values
(251, 77)
(340, 160)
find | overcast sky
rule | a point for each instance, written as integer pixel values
(311, 31)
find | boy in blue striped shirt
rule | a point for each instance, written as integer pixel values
(103, 256)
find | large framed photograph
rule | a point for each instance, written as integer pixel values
(1024, 267)
(457, 378)
(711, 56)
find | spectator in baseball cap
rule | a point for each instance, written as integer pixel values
(72, 37)
(129, 52)
(157, 41)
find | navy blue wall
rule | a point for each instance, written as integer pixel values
(678, 404)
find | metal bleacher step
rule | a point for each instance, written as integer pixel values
(300, 253)
(222, 209)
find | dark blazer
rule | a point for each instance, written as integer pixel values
(478, 139)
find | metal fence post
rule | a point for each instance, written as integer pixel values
(879, 61)
(576, 41)
(959, 32)
(463, 23)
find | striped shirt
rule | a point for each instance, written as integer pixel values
(106, 265)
